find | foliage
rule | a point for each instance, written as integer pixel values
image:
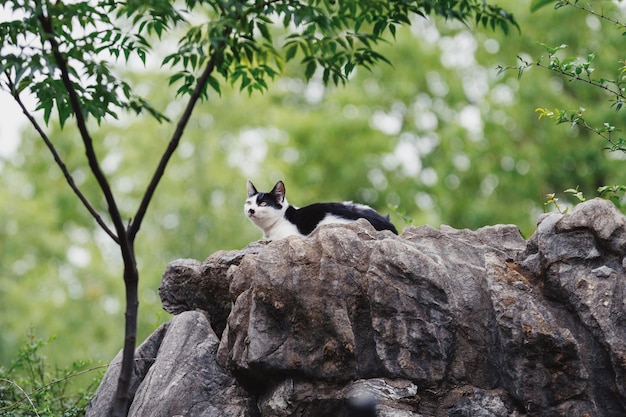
(82, 33)
(552, 199)
(28, 387)
(582, 70)
(615, 193)
(236, 39)
(334, 37)
(575, 118)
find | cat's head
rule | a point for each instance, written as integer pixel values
(265, 209)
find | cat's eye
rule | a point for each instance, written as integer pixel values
(263, 204)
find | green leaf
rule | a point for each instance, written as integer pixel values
(379, 27)
(326, 75)
(26, 82)
(245, 81)
(392, 29)
(215, 84)
(538, 4)
(47, 110)
(264, 31)
(310, 69)
(176, 77)
(347, 69)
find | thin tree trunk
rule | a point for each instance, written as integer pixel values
(123, 236)
(122, 400)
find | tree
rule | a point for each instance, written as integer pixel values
(64, 55)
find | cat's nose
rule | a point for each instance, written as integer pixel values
(250, 211)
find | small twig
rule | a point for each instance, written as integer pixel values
(593, 12)
(615, 146)
(67, 377)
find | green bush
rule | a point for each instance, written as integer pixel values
(32, 387)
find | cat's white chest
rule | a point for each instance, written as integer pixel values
(270, 220)
(281, 229)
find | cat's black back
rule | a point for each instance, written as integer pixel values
(306, 219)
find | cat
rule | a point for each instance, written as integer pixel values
(271, 213)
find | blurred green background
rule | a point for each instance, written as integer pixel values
(437, 138)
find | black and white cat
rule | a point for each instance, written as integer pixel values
(278, 219)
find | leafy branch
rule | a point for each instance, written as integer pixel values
(615, 193)
(335, 37)
(580, 70)
(586, 7)
(552, 199)
(575, 118)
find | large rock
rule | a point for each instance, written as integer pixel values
(189, 284)
(181, 365)
(351, 322)
(145, 355)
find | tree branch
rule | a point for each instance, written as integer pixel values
(61, 164)
(116, 218)
(131, 275)
(173, 144)
(616, 92)
(590, 10)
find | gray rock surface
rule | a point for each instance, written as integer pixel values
(185, 368)
(145, 356)
(353, 322)
(189, 284)
(178, 362)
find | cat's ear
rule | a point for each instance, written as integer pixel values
(279, 192)
(251, 190)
